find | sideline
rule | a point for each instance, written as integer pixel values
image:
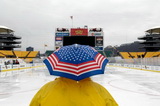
(22, 68)
(134, 68)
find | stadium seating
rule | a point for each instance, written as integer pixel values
(18, 54)
(125, 55)
(131, 55)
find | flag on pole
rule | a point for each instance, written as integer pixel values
(72, 20)
(71, 17)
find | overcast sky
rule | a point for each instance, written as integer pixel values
(123, 21)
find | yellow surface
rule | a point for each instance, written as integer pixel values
(154, 54)
(33, 54)
(18, 54)
(126, 55)
(21, 53)
(67, 92)
(7, 52)
(134, 54)
(3, 53)
(28, 60)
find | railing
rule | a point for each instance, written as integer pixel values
(140, 63)
(15, 63)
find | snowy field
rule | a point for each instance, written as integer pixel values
(129, 87)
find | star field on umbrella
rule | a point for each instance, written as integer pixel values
(76, 54)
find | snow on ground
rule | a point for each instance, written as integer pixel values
(132, 87)
(129, 87)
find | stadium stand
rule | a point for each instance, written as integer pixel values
(48, 52)
(5, 53)
(21, 54)
(125, 55)
(32, 54)
(131, 55)
(108, 53)
(153, 54)
(18, 54)
(101, 52)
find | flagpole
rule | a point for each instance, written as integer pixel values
(72, 20)
(72, 23)
(45, 48)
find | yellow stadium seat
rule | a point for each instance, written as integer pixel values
(20, 54)
(156, 54)
(33, 54)
(125, 55)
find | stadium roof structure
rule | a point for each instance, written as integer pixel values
(151, 39)
(5, 29)
(8, 39)
(154, 30)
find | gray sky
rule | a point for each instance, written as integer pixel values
(123, 21)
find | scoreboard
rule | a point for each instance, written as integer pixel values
(83, 40)
(84, 36)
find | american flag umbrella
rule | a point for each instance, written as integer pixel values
(76, 62)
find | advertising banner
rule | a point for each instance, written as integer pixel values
(79, 32)
(98, 48)
(58, 38)
(99, 40)
(64, 30)
(60, 34)
(59, 43)
(4, 67)
(95, 34)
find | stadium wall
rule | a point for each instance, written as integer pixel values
(152, 63)
(141, 67)
(18, 69)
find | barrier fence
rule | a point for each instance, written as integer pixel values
(139, 63)
(7, 64)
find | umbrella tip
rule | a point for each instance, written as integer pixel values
(76, 45)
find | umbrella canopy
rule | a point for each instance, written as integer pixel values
(76, 62)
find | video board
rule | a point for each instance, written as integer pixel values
(83, 40)
(92, 37)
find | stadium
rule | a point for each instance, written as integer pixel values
(132, 73)
(9, 56)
